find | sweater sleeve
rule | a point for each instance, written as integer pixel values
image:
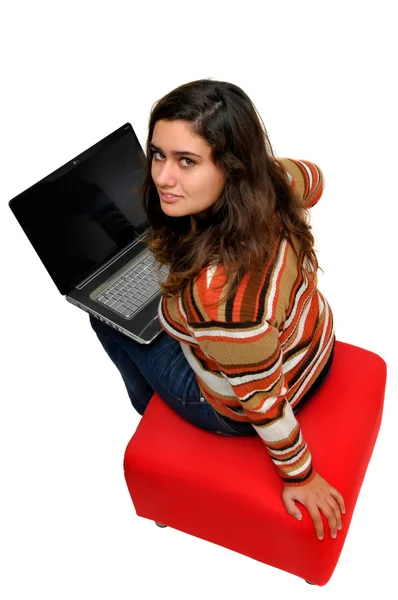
(249, 357)
(306, 179)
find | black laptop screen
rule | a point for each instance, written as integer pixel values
(86, 211)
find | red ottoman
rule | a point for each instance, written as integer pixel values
(226, 489)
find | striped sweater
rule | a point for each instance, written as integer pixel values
(256, 355)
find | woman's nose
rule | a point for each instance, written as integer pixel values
(166, 174)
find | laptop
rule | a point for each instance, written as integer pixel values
(87, 223)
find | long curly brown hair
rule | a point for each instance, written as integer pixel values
(257, 205)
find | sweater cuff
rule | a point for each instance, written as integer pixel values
(298, 481)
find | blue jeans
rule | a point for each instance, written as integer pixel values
(161, 367)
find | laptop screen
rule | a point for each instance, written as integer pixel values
(85, 212)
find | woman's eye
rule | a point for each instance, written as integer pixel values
(188, 162)
(157, 155)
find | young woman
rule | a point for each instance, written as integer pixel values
(248, 336)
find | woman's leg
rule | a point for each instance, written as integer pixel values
(162, 367)
(138, 389)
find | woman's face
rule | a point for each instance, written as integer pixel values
(187, 180)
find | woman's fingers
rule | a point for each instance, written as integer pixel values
(336, 509)
(291, 507)
(315, 508)
(316, 519)
(330, 515)
(318, 497)
(339, 498)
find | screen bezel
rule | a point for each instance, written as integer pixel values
(18, 202)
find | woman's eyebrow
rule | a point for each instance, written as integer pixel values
(176, 152)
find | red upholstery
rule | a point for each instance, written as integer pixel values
(226, 489)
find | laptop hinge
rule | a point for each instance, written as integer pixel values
(110, 262)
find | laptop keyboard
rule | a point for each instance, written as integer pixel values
(133, 289)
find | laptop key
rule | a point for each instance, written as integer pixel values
(133, 289)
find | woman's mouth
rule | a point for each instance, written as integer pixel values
(168, 197)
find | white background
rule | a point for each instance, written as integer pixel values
(323, 79)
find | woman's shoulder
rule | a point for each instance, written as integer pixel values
(306, 178)
(205, 298)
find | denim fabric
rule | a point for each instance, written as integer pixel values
(162, 367)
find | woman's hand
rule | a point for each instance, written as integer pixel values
(316, 496)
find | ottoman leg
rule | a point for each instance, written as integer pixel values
(160, 524)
